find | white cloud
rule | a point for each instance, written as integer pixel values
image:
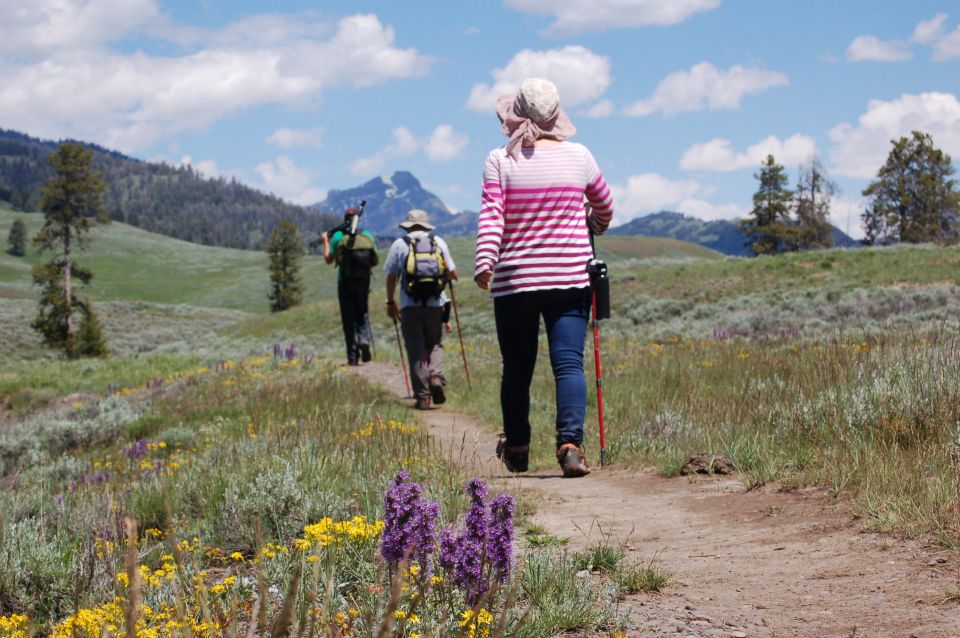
(140, 98)
(603, 108)
(443, 144)
(572, 17)
(871, 48)
(859, 151)
(581, 76)
(929, 31)
(705, 86)
(296, 138)
(33, 27)
(652, 192)
(718, 155)
(286, 180)
(947, 47)
(845, 215)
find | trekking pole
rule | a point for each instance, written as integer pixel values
(403, 359)
(597, 367)
(599, 282)
(373, 350)
(463, 353)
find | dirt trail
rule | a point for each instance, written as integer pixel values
(758, 563)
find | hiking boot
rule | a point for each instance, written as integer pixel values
(572, 460)
(423, 403)
(514, 457)
(436, 391)
(365, 352)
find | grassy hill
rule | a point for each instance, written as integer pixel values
(835, 369)
(130, 264)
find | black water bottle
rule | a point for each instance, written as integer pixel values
(600, 284)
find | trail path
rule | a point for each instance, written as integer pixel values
(758, 564)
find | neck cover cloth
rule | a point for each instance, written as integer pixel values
(522, 130)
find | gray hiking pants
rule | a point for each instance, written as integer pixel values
(422, 330)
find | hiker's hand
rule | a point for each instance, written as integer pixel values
(483, 279)
(393, 311)
(326, 239)
(452, 275)
(448, 327)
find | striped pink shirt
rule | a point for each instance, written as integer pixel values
(532, 230)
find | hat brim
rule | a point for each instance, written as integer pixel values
(412, 225)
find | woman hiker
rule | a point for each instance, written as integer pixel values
(533, 246)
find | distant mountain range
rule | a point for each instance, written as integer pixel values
(721, 235)
(389, 199)
(180, 202)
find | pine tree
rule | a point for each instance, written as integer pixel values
(90, 342)
(285, 247)
(769, 229)
(815, 189)
(17, 239)
(71, 204)
(914, 199)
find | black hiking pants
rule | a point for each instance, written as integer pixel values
(353, 294)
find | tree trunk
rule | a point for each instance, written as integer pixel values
(67, 286)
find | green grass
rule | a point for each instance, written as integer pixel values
(636, 578)
(130, 264)
(835, 368)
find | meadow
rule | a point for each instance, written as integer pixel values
(255, 465)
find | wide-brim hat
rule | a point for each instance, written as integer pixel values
(416, 218)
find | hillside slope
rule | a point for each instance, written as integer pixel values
(174, 201)
(721, 235)
(132, 264)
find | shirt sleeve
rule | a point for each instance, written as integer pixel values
(334, 241)
(490, 222)
(447, 257)
(394, 265)
(599, 195)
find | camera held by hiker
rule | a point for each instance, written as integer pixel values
(422, 265)
(355, 253)
(533, 247)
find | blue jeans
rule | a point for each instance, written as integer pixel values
(565, 314)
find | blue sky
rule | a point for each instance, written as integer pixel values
(679, 100)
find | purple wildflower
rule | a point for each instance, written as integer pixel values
(401, 509)
(471, 544)
(277, 350)
(500, 537)
(448, 549)
(290, 353)
(423, 540)
(137, 450)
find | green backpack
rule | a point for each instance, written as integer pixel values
(356, 255)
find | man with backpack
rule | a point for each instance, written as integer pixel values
(355, 253)
(422, 264)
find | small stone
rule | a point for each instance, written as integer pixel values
(738, 634)
(707, 464)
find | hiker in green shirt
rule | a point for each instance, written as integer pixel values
(355, 256)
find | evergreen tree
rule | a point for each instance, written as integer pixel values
(285, 247)
(815, 189)
(90, 341)
(914, 199)
(71, 204)
(17, 239)
(769, 229)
